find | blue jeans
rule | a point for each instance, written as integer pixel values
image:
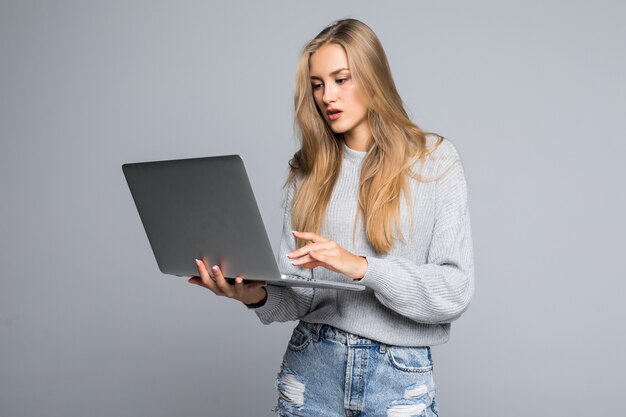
(328, 372)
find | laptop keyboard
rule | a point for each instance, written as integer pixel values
(299, 278)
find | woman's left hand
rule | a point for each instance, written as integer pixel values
(328, 254)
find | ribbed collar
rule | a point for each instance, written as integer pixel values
(353, 155)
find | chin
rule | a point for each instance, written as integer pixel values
(339, 129)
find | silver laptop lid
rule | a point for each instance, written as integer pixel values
(201, 208)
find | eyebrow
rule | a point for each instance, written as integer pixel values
(335, 72)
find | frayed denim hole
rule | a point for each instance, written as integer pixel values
(290, 390)
(406, 409)
(416, 401)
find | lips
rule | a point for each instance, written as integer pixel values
(334, 114)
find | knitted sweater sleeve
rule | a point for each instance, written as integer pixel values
(440, 290)
(287, 303)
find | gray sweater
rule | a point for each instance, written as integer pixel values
(414, 291)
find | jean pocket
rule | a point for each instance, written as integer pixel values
(301, 336)
(410, 359)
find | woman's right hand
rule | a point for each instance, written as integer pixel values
(214, 280)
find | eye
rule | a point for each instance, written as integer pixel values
(340, 80)
(315, 86)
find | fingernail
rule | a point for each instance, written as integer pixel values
(215, 268)
(198, 262)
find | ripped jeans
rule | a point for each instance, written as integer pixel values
(328, 372)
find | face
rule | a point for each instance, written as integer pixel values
(334, 89)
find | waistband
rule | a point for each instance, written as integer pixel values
(328, 332)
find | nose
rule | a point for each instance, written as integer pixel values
(330, 93)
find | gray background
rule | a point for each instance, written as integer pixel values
(532, 93)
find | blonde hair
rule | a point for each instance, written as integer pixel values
(397, 142)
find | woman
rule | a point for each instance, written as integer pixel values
(374, 199)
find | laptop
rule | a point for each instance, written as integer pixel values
(205, 208)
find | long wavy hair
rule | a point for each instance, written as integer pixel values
(398, 143)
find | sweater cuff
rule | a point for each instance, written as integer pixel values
(274, 294)
(375, 277)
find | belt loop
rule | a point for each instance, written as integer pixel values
(316, 331)
(382, 348)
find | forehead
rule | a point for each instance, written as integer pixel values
(327, 59)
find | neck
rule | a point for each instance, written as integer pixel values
(359, 139)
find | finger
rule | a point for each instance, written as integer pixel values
(327, 254)
(303, 260)
(329, 244)
(211, 287)
(328, 261)
(316, 264)
(202, 270)
(312, 264)
(224, 286)
(318, 256)
(309, 236)
(239, 286)
(205, 279)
